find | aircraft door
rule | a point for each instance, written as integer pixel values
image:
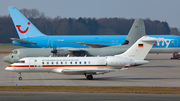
(175, 42)
(50, 43)
(32, 64)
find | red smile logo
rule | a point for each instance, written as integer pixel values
(18, 26)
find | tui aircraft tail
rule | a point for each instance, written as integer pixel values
(24, 27)
(140, 49)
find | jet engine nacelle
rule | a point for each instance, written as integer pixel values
(117, 61)
(138, 62)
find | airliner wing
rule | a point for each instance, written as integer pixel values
(84, 71)
(22, 41)
(93, 45)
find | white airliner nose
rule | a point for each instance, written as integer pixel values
(9, 69)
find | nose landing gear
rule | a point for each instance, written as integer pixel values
(20, 78)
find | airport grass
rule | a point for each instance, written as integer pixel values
(6, 44)
(7, 48)
(95, 89)
(5, 51)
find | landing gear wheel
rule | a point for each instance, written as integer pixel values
(89, 77)
(20, 78)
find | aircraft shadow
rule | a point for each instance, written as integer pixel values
(154, 66)
(116, 78)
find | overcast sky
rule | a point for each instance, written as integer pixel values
(163, 10)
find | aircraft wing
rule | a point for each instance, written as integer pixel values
(77, 52)
(72, 51)
(93, 45)
(84, 71)
(22, 41)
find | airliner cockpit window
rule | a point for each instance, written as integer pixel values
(11, 53)
(15, 52)
(21, 61)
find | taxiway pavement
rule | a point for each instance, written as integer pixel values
(60, 96)
(161, 71)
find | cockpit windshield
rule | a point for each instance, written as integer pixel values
(21, 61)
(14, 52)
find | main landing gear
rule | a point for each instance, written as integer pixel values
(20, 78)
(89, 77)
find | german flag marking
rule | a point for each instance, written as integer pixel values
(140, 45)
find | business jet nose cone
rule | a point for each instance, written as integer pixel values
(7, 59)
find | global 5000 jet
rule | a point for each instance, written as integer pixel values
(87, 66)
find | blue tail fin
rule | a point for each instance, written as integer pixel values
(24, 27)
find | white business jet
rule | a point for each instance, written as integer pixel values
(87, 66)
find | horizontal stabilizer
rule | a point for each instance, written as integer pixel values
(151, 40)
(22, 41)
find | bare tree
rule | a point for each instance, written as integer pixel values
(32, 13)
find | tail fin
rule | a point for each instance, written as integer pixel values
(137, 31)
(24, 27)
(140, 49)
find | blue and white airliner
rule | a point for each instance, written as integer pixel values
(31, 37)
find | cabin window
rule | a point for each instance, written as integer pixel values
(65, 62)
(70, 62)
(79, 62)
(89, 62)
(43, 63)
(47, 62)
(75, 62)
(56, 62)
(84, 62)
(61, 62)
(52, 63)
